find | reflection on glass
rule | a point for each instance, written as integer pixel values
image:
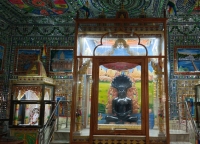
(153, 101)
(47, 112)
(157, 97)
(119, 96)
(48, 95)
(114, 45)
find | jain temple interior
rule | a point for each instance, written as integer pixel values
(99, 71)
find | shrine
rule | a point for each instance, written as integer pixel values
(99, 72)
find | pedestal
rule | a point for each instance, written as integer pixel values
(161, 134)
(78, 126)
(156, 124)
(78, 133)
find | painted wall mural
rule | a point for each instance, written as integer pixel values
(187, 60)
(24, 58)
(61, 60)
(53, 7)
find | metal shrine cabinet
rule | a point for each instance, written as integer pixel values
(32, 102)
(133, 48)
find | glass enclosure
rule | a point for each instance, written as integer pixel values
(120, 80)
(120, 44)
(108, 93)
(120, 95)
(31, 104)
(26, 114)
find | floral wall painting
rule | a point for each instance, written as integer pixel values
(61, 60)
(187, 60)
(25, 57)
(2, 55)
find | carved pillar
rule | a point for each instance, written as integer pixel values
(160, 118)
(82, 72)
(155, 93)
(16, 114)
(78, 111)
(90, 92)
(161, 107)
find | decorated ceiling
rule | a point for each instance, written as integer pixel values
(57, 12)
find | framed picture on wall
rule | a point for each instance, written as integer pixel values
(187, 60)
(60, 60)
(24, 57)
(2, 56)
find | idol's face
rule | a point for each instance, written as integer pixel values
(121, 92)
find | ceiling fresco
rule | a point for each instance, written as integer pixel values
(39, 7)
(55, 12)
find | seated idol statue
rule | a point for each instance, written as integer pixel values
(121, 105)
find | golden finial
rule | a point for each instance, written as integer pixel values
(102, 12)
(87, 3)
(38, 57)
(122, 16)
(142, 14)
(122, 6)
(185, 2)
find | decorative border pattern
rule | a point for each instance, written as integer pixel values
(121, 140)
(28, 135)
(186, 89)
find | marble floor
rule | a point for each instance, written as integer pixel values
(152, 132)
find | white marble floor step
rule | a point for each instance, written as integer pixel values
(62, 134)
(64, 130)
(180, 142)
(59, 142)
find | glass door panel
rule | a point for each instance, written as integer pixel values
(120, 107)
(157, 98)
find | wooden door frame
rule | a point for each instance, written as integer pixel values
(97, 61)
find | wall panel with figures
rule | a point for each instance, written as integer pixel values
(63, 93)
(24, 57)
(5, 46)
(43, 37)
(60, 61)
(181, 32)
